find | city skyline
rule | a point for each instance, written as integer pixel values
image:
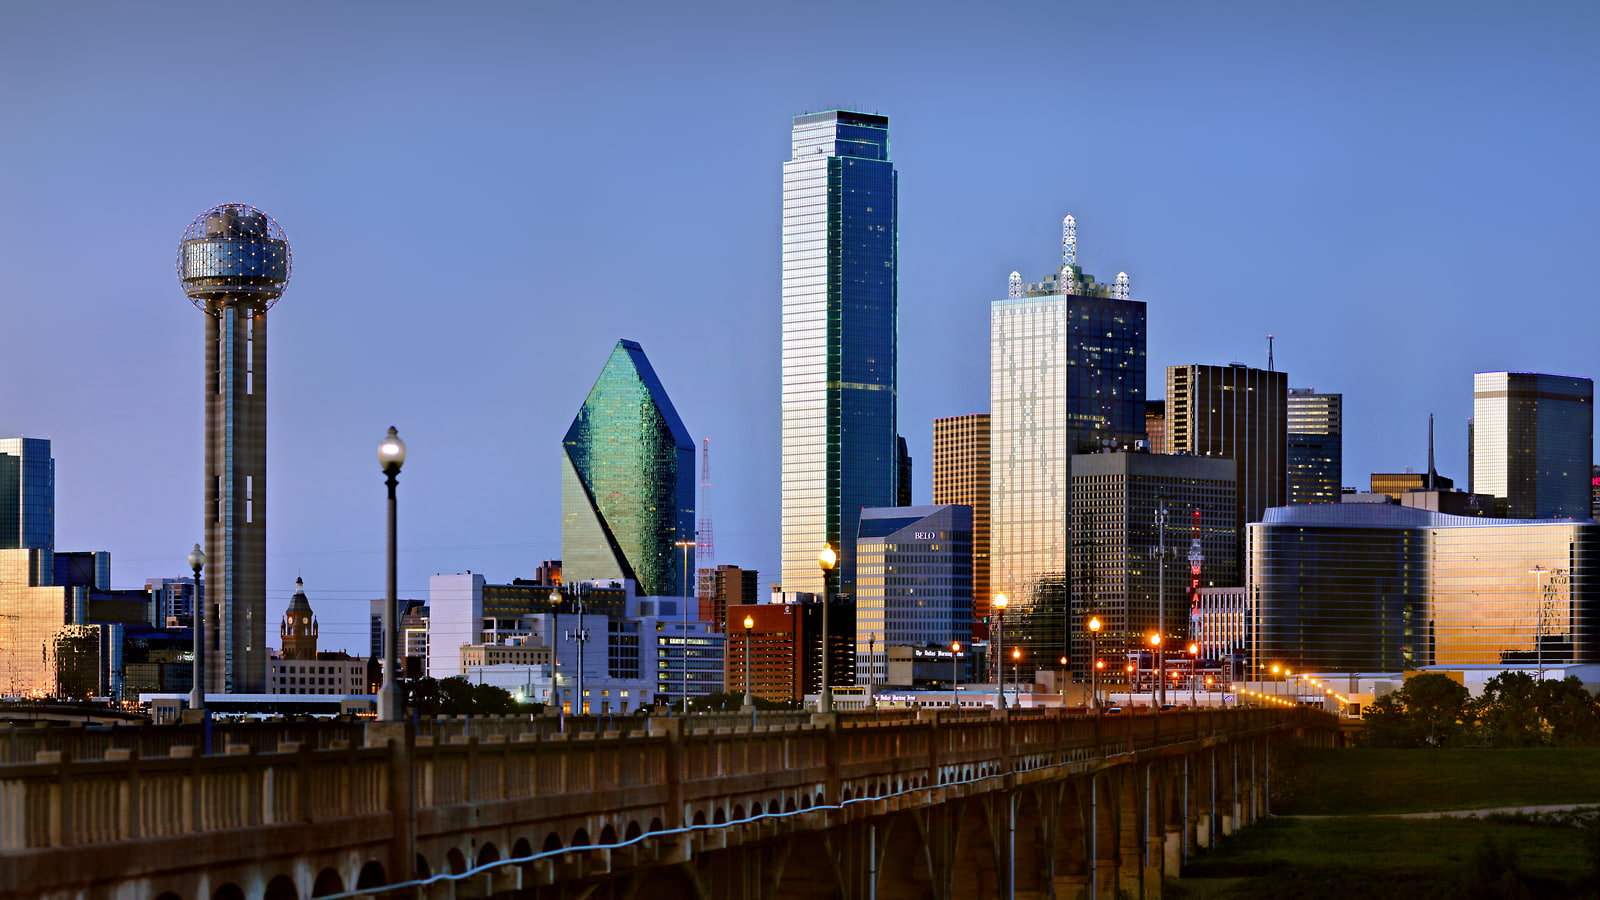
(1328, 176)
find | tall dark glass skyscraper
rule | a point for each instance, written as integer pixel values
(1533, 443)
(1066, 376)
(840, 450)
(27, 494)
(627, 482)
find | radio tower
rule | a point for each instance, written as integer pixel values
(706, 578)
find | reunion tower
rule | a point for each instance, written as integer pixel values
(234, 262)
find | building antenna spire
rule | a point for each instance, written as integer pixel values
(1069, 241)
(1433, 475)
(1269, 354)
(1014, 286)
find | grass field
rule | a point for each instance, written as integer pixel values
(1389, 782)
(1360, 851)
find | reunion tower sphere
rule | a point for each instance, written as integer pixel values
(234, 254)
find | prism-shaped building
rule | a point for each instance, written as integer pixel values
(627, 482)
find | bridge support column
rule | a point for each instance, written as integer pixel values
(1131, 838)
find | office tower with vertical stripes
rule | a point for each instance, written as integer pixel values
(840, 449)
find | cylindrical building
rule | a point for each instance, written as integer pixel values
(234, 262)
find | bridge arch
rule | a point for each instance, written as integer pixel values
(632, 831)
(521, 849)
(608, 834)
(552, 841)
(699, 817)
(719, 816)
(280, 887)
(372, 875)
(328, 882)
(456, 861)
(229, 891)
(488, 853)
(422, 870)
(580, 838)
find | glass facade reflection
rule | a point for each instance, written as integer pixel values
(27, 494)
(1533, 443)
(1066, 376)
(627, 482)
(839, 452)
(1375, 587)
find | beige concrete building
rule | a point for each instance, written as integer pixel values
(961, 476)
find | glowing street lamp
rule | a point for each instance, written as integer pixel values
(749, 623)
(955, 674)
(826, 560)
(1000, 604)
(1016, 672)
(1094, 654)
(1194, 669)
(1160, 696)
(391, 456)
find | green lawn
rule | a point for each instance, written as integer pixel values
(1387, 782)
(1361, 851)
(1309, 859)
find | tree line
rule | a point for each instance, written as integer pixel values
(1514, 710)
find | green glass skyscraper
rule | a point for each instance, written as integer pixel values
(627, 482)
(840, 449)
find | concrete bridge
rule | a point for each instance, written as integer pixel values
(1018, 804)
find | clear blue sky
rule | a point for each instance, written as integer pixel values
(483, 198)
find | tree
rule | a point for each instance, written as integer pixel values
(456, 696)
(1569, 712)
(1509, 710)
(1436, 704)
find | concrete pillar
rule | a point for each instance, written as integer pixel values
(1130, 832)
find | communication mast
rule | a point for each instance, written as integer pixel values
(1120, 290)
(1014, 286)
(1069, 241)
(705, 578)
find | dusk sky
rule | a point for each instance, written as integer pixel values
(482, 198)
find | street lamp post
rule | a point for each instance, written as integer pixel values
(683, 632)
(826, 560)
(1016, 673)
(197, 694)
(1063, 662)
(580, 636)
(1161, 594)
(555, 654)
(1158, 696)
(872, 670)
(1094, 662)
(1000, 604)
(1194, 670)
(1538, 573)
(391, 456)
(749, 701)
(955, 674)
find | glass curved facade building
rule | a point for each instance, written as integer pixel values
(627, 482)
(1377, 587)
(840, 450)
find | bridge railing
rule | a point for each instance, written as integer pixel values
(65, 802)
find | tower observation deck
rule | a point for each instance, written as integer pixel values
(234, 262)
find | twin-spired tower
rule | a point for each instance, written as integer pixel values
(234, 262)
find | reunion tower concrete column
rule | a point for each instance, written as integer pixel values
(234, 262)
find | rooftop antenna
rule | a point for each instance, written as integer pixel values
(1069, 241)
(1014, 286)
(1433, 475)
(1269, 354)
(1119, 290)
